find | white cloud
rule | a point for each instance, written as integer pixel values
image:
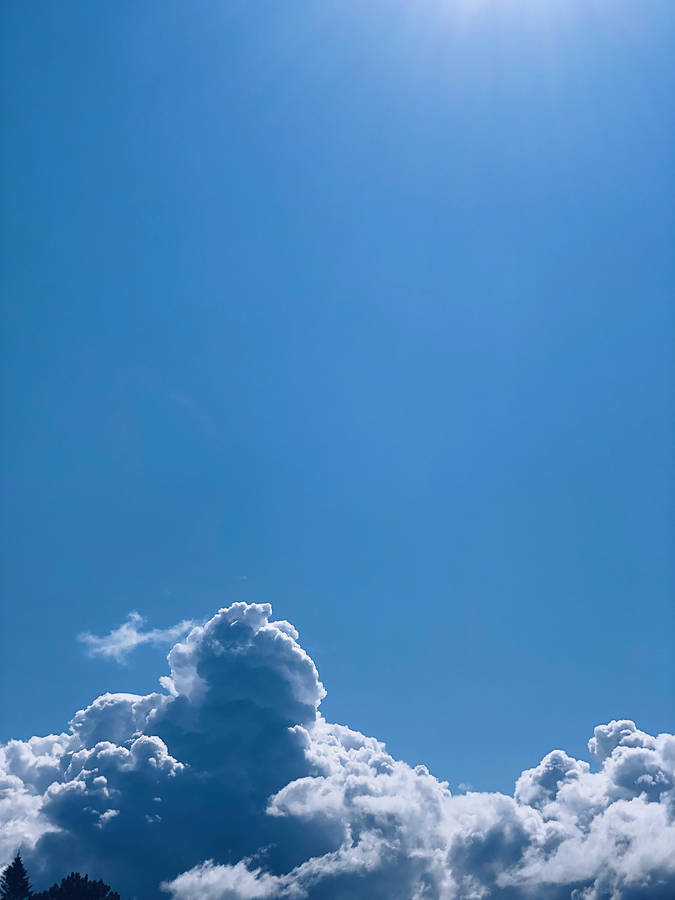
(119, 642)
(232, 786)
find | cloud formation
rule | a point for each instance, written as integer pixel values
(119, 642)
(230, 785)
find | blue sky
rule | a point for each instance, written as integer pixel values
(360, 309)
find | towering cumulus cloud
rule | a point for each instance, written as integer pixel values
(230, 784)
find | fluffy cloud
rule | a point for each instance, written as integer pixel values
(230, 784)
(119, 643)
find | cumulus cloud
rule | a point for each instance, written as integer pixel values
(230, 785)
(119, 642)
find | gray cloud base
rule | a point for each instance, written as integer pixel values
(230, 784)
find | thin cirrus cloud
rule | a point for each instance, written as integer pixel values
(121, 641)
(230, 785)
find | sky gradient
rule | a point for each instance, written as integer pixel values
(361, 309)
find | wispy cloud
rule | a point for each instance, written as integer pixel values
(120, 642)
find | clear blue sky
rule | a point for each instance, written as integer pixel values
(372, 304)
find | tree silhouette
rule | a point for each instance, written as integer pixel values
(76, 887)
(14, 884)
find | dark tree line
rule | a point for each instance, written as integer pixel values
(15, 885)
